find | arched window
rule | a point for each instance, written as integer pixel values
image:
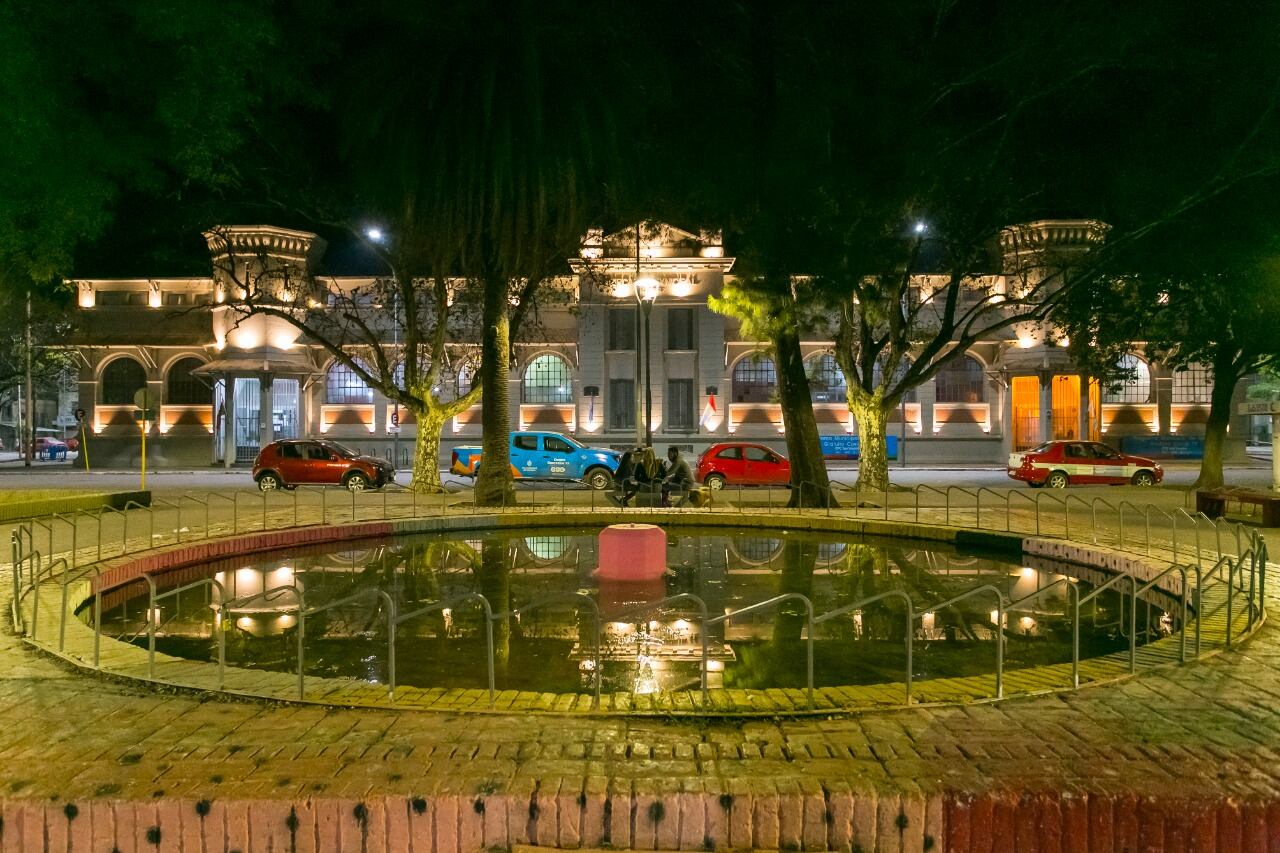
(755, 379)
(826, 382)
(547, 548)
(546, 380)
(181, 388)
(122, 379)
(1135, 387)
(960, 381)
(757, 549)
(1194, 384)
(342, 385)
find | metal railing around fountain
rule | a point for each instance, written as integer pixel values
(1238, 600)
(1231, 581)
(88, 536)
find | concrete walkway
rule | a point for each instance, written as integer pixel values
(1183, 759)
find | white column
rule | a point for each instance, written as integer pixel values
(1006, 417)
(1275, 457)
(228, 420)
(927, 395)
(1082, 429)
(1046, 406)
(1163, 383)
(213, 439)
(380, 416)
(266, 418)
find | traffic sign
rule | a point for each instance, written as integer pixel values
(145, 398)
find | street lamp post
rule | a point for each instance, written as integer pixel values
(379, 237)
(395, 346)
(646, 293)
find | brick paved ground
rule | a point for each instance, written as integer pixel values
(1188, 758)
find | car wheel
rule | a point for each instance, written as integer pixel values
(269, 482)
(714, 482)
(1144, 478)
(1057, 480)
(599, 479)
(356, 482)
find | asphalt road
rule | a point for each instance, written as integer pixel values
(47, 475)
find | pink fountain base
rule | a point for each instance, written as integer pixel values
(632, 552)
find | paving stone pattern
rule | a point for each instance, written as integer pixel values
(1185, 758)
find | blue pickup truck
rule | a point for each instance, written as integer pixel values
(547, 456)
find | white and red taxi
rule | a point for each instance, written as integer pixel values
(1058, 464)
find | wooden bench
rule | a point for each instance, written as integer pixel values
(1213, 503)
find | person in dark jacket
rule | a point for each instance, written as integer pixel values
(625, 476)
(679, 476)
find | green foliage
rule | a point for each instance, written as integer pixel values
(104, 97)
(1222, 319)
(761, 310)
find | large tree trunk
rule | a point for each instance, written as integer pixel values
(809, 483)
(873, 451)
(494, 484)
(1225, 378)
(426, 454)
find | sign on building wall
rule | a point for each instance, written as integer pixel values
(846, 446)
(1164, 446)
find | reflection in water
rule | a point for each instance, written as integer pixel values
(495, 585)
(552, 648)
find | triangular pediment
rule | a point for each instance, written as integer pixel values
(657, 244)
(652, 234)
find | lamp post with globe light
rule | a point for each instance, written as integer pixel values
(919, 229)
(647, 290)
(378, 237)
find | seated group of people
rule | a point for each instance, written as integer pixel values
(640, 470)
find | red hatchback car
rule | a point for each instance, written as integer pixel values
(743, 465)
(1058, 464)
(302, 462)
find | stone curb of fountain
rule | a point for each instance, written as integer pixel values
(128, 661)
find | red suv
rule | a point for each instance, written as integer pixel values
(742, 464)
(1058, 464)
(306, 462)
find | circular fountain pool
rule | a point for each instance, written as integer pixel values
(545, 580)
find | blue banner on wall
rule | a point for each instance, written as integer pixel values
(846, 446)
(1164, 446)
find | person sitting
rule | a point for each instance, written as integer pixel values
(679, 476)
(625, 477)
(647, 477)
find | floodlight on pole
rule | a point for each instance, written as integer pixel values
(374, 234)
(921, 227)
(647, 288)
